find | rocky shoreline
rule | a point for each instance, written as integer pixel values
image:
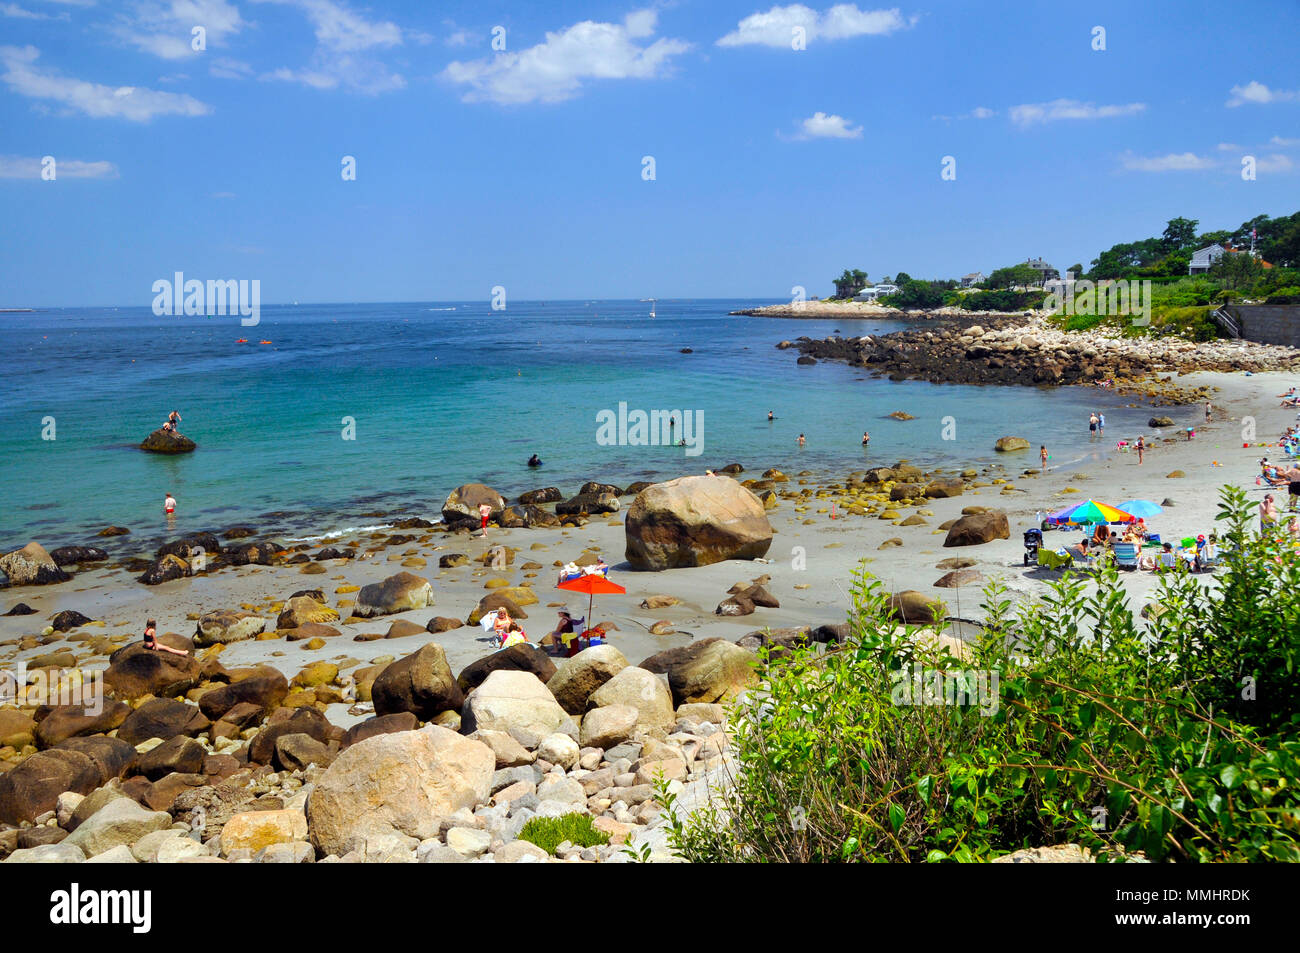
(1028, 350)
(858, 309)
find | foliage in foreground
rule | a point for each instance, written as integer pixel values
(549, 833)
(1175, 738)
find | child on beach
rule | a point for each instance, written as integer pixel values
(1141, 449)
(1267, 514)
(484, 514)
(151, 640)
(1042, 455)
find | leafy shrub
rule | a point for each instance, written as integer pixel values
(549, 833)
(1003, 300)
(1110, 732)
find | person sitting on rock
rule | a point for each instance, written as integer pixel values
(151, 640)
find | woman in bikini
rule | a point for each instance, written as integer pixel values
(151, 640)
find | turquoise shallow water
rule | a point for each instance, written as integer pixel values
(444, 393)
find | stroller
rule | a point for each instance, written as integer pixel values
(1033, 541)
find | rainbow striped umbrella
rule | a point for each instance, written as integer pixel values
(1090, 511)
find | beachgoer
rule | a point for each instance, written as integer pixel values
(1267, 514)
(1101, 423)
(1042, 455)
(1168, 558)
(484, 514)
(175, 420)
(514, 635)
(555, 638)
(1292, 477)
(1207, 411)
(169, 504)
(709, 473)
(1092, 425)
(534, 461)
(1141, 449)
(151, 640)
(802, 441)
(769, 416)
(866, 438)
(501, 625)
(167, 427)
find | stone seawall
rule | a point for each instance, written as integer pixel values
(1269, 323)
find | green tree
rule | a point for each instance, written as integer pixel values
(1076, 269)
(1236, 270)
(850, 283)
(1179, 233)
(902, 278)
(1011, 276)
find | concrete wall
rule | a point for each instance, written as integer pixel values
(1269, 323)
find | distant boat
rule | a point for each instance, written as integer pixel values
(652, 306)
(242, 341)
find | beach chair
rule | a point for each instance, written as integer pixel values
(1126, 555)
(1053, 560)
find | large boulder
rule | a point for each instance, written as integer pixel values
(588, 503)
(1008, 444)
(576, 678)
(395, 594)
(513, 701)
(265, 688)
(112, 757)
(31, 566)
(300, 610)
(547, 494)
(915, 608)
(420, 683)
(70, 555)
(695, 521)
(228, 625)
(403, 783)
(259, 554)
(519, 658)
(379, 725)
(710, 670)
(33, 786)
(495, 600)
(72, 721)
(119, 822)
(461, 507)
(641, 690)
(167, 441)
(134, 671)
(163, 718)
(180, 755)
(165, 569)
(300, 721)
(527, 516)
(978, 528)
(608, 726)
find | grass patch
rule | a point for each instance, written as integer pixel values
(549, 833)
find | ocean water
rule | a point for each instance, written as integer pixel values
(444, 393)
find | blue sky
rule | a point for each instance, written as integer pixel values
(475, 167)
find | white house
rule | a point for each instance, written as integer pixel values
(974, 278)
(1204, 259)
(877, 291)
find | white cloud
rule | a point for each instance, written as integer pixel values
(23, 167)
(1173, 162)
(982, 112)
(1057, 109)
(1274, 163)
(223, 67)
(777, 26)
(137, 104)
(1258, 94)
(163, 27)
(1279, 141)
(554, 70)
(14, 12)
(346, 44)
(822, 126)
(1228, 147)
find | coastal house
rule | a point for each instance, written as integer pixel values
(1061, 287)
(877, 291)
(974, 278)
(1045, 271)
(1205, 258)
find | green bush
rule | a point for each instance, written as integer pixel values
(1175, 738)
(1003, 300)
(549, 833)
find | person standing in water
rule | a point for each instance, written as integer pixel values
(1042, 455)
(1092, 425)
(866, 438)
(802, 441)
(770, 417)
(1207, 411)
(1101, 423)
(169, 504)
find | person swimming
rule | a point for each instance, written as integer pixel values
(534, 461)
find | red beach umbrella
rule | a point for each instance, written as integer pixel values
(591, 583)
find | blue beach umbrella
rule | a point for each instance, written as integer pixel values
(1142, 508)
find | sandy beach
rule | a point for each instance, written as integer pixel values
(811, 561)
